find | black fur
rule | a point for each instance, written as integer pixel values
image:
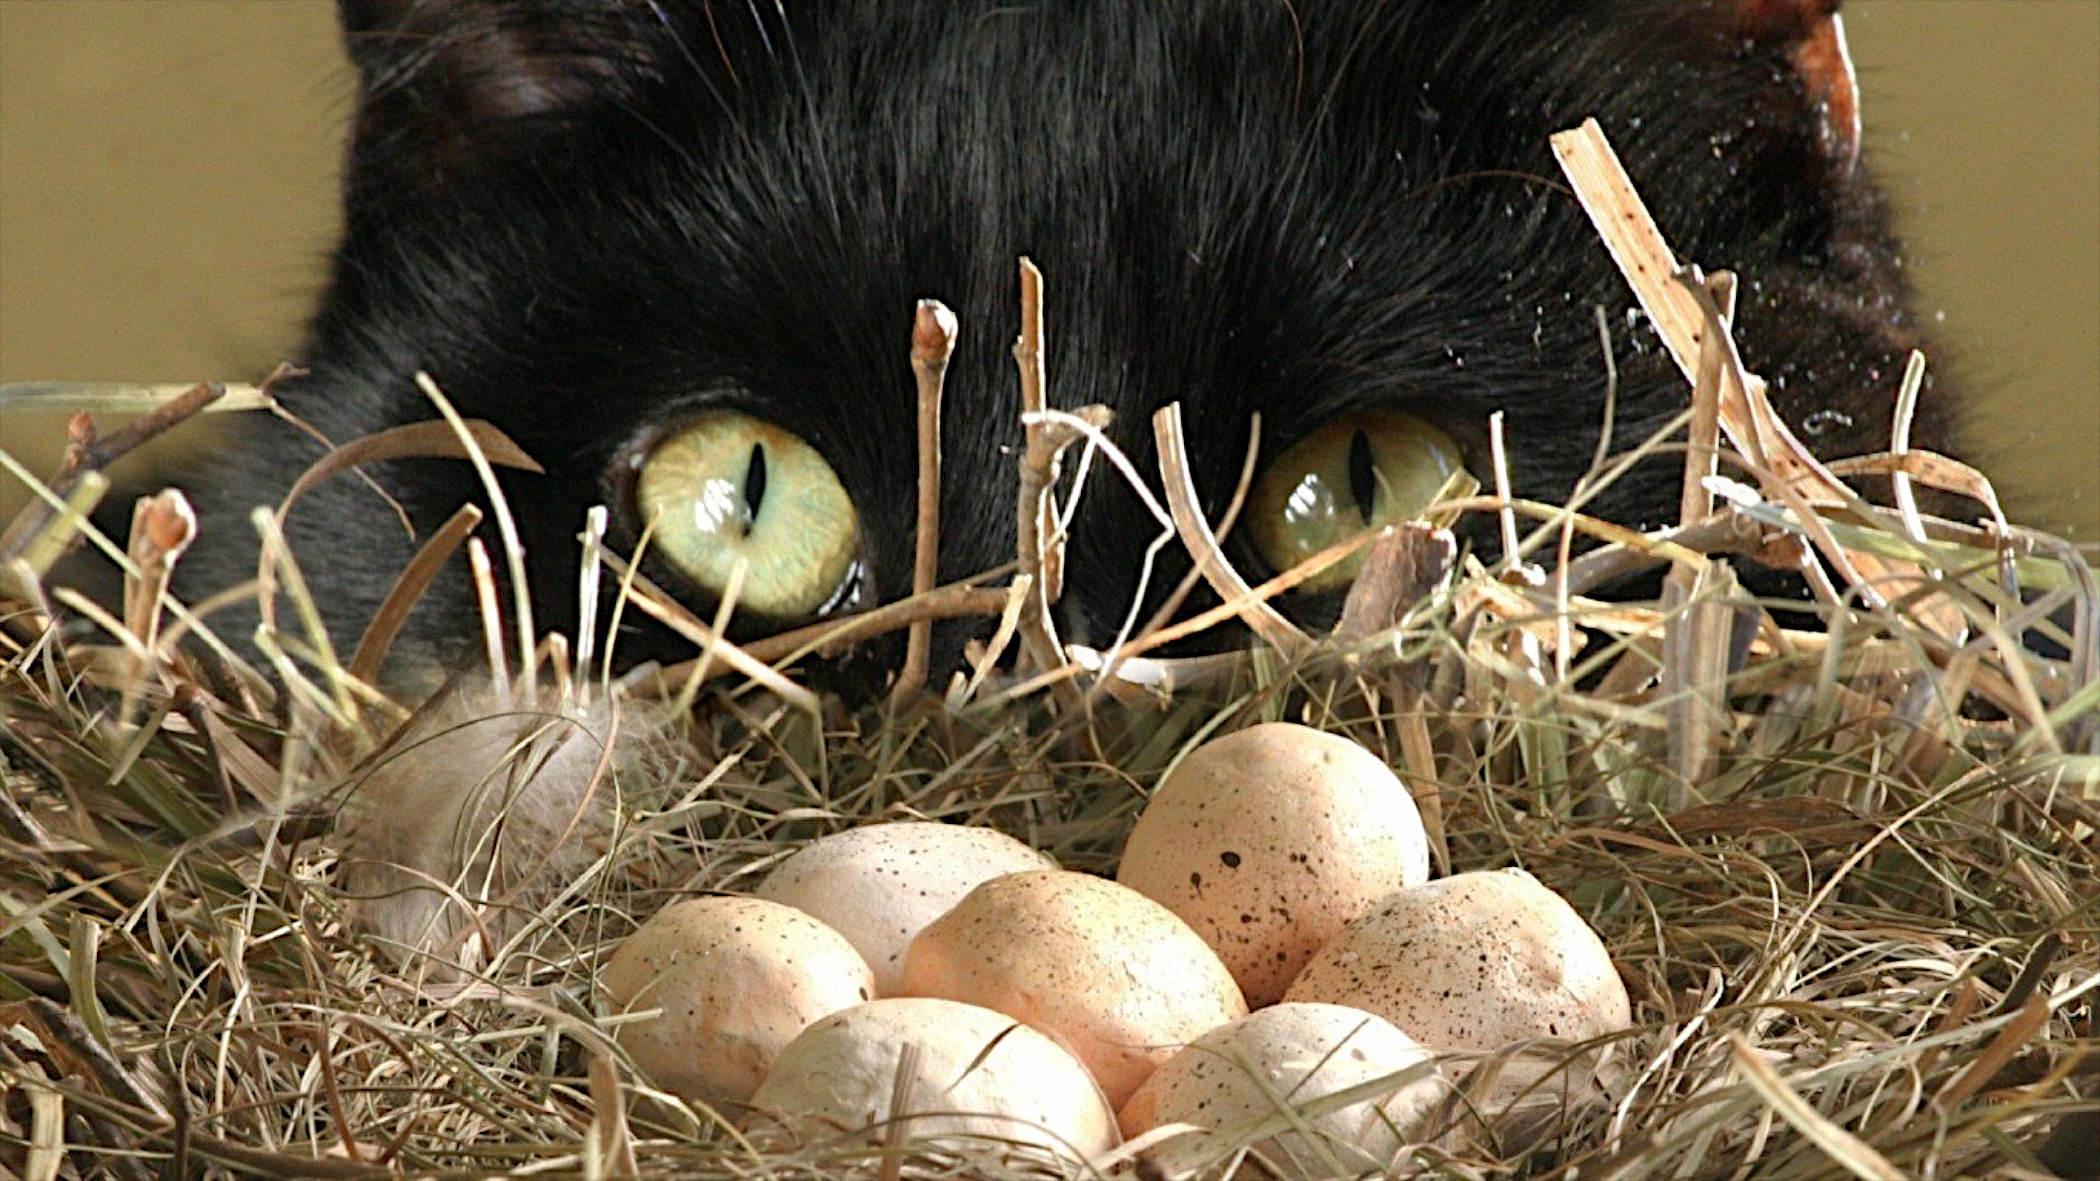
(584, 217)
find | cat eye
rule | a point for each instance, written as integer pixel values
(726, 487)
(1359, 471)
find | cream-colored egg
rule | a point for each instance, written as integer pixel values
(880, 884)
(1473, 962)
(972, 1073)
(736, 980)
(1269, 841)
(1291, 1056)
(1102, 968)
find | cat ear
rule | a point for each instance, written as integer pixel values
(450, 87)
(1813, 37)
(1811, 86)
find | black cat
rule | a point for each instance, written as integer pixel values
(672, 247)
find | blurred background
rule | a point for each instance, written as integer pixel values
(168, 172)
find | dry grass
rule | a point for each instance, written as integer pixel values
(1850, 874)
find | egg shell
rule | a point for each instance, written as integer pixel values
(1108, 972)
(1269, 841)
(736, 980)
(880, 884)
(1473, 962)
(1235, 1075)
(977, 1073)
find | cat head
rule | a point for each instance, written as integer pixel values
(673, 249)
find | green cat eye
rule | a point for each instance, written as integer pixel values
(1359, 471)
(727, 487)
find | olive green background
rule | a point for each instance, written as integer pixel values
(167, 176)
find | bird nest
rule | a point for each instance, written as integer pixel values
(1845, 858)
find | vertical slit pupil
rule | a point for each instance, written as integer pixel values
(1363, 475)
(754, 486)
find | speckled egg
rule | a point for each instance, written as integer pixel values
(736, 980)
(971, 1072)
(1292, 1055)
(1105, 970)
(1269, 841)
(880, 884)
(1473, 962)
